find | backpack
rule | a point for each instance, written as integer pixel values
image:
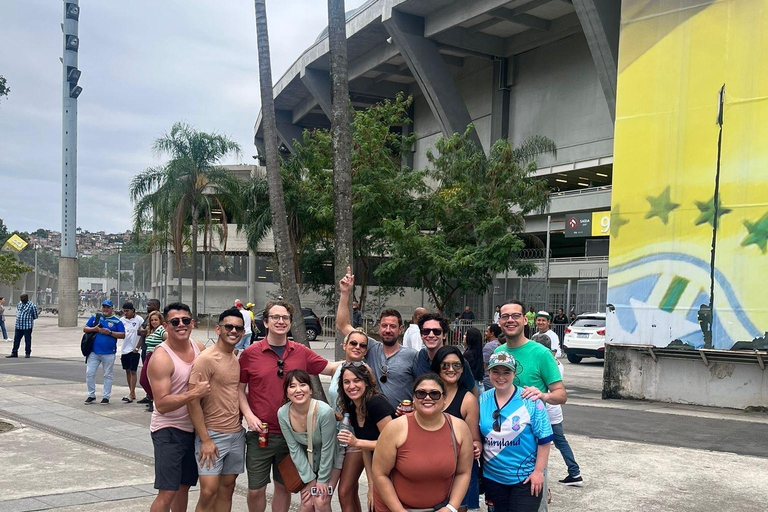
(86, 342)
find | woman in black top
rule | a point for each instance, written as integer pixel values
(369, 411)
(474, 355)
(461, 403)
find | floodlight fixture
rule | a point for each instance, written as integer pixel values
(73, 75)
(73, 42)
(75, 91)
(73, 11)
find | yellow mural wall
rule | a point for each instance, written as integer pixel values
(674, 56)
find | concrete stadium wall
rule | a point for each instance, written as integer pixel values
(631, 373)
(556, 93)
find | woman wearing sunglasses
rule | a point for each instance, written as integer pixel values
(293, 419)
(423, 460)
(156, 335)
(460, 403)
(369, 412)
(516, 441)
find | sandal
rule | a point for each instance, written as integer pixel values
(127, 399)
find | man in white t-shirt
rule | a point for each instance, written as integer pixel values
(129, 350)
(541, 322)
(247, 318)
(412, 336)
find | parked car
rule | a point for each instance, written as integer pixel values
(311, 321)
(585, 337)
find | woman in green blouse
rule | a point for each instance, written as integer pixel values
(293, 423)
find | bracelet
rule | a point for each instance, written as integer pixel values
(451, 508)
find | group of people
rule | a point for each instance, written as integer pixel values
(415, 421)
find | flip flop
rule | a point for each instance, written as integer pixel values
(127, 399)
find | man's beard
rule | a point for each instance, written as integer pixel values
(389, 343)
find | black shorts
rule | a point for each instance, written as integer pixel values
(130, 361)
(175, 463)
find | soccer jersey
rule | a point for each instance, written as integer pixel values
(106, 343)
(509, 455)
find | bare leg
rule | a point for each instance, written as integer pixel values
(281, 500)
(209, 488)
(163, 501)
(348, 487)
(224, 496)
(180, 500)
(257, 500)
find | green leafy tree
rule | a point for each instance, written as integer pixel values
(189, 192)
(4, 89)
(11, 269)
(466, 230)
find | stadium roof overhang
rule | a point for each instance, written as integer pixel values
(419, 46)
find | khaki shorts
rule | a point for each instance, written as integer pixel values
(259, 461)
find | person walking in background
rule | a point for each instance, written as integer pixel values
(412, 336)
(129, 351)
(245, 341)
(2, 319)
(530, 316)
(357, 316)
(26, 314)
(496, 315)
(473, 354)
(304, 419)
(220, 437)
(108, 330)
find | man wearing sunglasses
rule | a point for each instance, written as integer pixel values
(108, 330)
(434, 330)
(393, 365)
(539, 377)
(171, 428)
(220, 439)
(263, 366)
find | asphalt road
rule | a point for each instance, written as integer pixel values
(740, 437)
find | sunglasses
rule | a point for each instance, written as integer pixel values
(230, 327)
(496, 423)
(456, 366)
(280, 371)
(436, 332)
(352, 364)
(353, 343)
(433, 395)
(176, 321)
(384, 372)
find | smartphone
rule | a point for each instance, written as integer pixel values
(313, 491)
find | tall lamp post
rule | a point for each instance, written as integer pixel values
(70, 93)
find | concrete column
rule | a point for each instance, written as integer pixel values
(600, 20)
(170, 278)
(318, 83)
(286, 130)
(68, 298)
(251, 277)
(431, 74)
(500, 101)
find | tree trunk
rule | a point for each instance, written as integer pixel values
(341, 138)
(193, 306)
(283, 249)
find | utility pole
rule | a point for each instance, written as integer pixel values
(70, 92)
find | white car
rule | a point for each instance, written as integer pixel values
(585, 337)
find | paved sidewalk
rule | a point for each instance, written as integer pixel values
(64, 455)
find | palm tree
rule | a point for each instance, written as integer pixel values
(283, 248)
(341, 137)
(187, 191)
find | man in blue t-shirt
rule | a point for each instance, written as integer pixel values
(108, 331)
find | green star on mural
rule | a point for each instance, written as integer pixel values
(661, 206)
(758, 233)
(616, 221)
(707, 210)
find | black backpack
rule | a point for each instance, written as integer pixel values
(86, 342)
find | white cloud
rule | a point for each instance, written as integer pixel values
(145, 65)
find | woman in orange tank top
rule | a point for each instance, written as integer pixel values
(423, 460)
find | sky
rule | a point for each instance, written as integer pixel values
(145, 65)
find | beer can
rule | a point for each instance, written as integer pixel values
(264, 435)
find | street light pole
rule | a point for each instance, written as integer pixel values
(119, 248)
(68, 261)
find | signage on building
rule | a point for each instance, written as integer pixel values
(587, 224)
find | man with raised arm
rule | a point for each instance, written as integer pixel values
(393, 365)
(173, 435)
(262, 368)
(220, 439)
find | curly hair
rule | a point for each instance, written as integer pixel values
(361, 371)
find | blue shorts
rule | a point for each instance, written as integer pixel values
(244, 342)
